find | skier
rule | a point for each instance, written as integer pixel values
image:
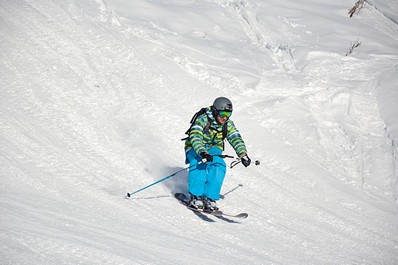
(204, 142)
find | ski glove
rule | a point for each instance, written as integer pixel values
(245, 160)
(206, 157)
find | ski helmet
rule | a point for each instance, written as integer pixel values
(222, 103)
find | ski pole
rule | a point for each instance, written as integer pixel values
(156, 182)
(172, 175)
(234, 163)
(224, 156)
(238, 160)
(129, 194)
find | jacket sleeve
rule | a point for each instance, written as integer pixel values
(196, 134)
(236, 140)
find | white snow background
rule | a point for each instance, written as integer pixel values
(96, 95)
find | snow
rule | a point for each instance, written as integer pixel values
(95, 96)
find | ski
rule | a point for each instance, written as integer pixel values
(239, 215)
(183, 199)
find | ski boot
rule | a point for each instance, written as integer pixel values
(196, 202)
(210, 205)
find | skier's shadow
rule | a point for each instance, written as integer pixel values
(177, 183)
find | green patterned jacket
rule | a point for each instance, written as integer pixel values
(202, 141)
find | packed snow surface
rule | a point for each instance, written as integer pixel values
(95, 96)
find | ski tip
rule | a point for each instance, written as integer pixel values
(221, 213)
(242, 215)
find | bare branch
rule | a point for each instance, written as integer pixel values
(354, 45)
(355, 9)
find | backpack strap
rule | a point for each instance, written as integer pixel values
(224, 130)
(195, 116)
(207, 126)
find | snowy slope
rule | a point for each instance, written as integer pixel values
(95, 96)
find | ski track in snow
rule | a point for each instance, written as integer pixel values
(94, 101)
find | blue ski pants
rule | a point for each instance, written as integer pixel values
(205, 179)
